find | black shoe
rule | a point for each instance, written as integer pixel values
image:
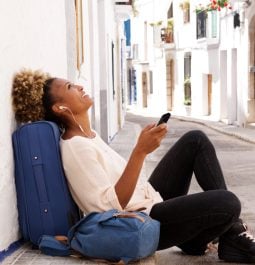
(193, 251)
(237, 245)
(190, 248)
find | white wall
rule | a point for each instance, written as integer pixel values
(227, 53)
(33, 35)
(150, 57)
(207, 54)
(107, 35)
(41, 35)
(91, 20)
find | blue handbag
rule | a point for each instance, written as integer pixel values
(112, 235)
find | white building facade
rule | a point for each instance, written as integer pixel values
(79, 40)
(202, 62)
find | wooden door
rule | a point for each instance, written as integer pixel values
(209, 82)
(145, 89)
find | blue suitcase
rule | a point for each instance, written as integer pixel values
(44, 203)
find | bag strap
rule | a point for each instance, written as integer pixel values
(129, 215)
(58, 246)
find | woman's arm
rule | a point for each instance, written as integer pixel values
(148, 141)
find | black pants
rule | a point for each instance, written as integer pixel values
(192, 221)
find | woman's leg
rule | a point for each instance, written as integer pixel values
(192, 221)
(193, 152)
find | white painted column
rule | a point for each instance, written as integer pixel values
(223, 85)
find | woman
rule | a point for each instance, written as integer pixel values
(99, 179)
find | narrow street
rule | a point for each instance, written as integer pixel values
(135, 59)
(237, 158)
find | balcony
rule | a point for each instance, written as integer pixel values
(167, 38)
(123, 9)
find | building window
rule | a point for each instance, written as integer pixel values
(170, 11)
(201, 24)
(214, 24)
(79, 33)
(187, 64)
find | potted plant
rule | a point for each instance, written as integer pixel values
(134, 8)
(217, 5)
(185, 6)
(187, 87)
(169, 32)
(187, 104)
(187, 95)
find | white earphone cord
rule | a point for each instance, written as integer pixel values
(77, 122)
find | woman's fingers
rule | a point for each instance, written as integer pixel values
(149, 126)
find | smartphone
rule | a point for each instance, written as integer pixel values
(164, 118)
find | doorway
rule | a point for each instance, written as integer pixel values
(145, 89)
(251, 95)
(209, 95)
(169, 83)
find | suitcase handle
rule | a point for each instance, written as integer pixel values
(40, 182)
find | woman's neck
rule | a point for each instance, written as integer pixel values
(79, 125)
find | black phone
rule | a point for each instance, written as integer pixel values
(164, 118)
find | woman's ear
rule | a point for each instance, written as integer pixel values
(58, 108)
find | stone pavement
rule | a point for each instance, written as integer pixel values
(247, 134)
(123, 143)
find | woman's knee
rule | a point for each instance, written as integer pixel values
(199, 138)
(229, 202)
(196, 134)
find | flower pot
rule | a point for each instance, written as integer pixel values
(188, 110)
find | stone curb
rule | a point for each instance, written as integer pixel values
(218, 128)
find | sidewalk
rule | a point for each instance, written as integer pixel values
(123, 143)
(247, 134)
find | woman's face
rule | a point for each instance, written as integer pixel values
(71, 96)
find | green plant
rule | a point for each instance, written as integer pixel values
(185, 5)
(157, 23)
(170, 23)
(187, 81)
(134, 8)
(187, 102)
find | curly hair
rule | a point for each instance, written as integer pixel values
(27, 92)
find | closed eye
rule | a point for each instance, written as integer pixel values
(69, 86)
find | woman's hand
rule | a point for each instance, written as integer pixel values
(150, 138)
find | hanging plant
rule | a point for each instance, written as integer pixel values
(184, 5)
(216, 5)
(170, 23)
(134, 8)
(157, 23)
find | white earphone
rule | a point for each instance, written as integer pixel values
(62, 107)
(80, 127)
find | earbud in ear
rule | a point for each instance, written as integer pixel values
(62, 107)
